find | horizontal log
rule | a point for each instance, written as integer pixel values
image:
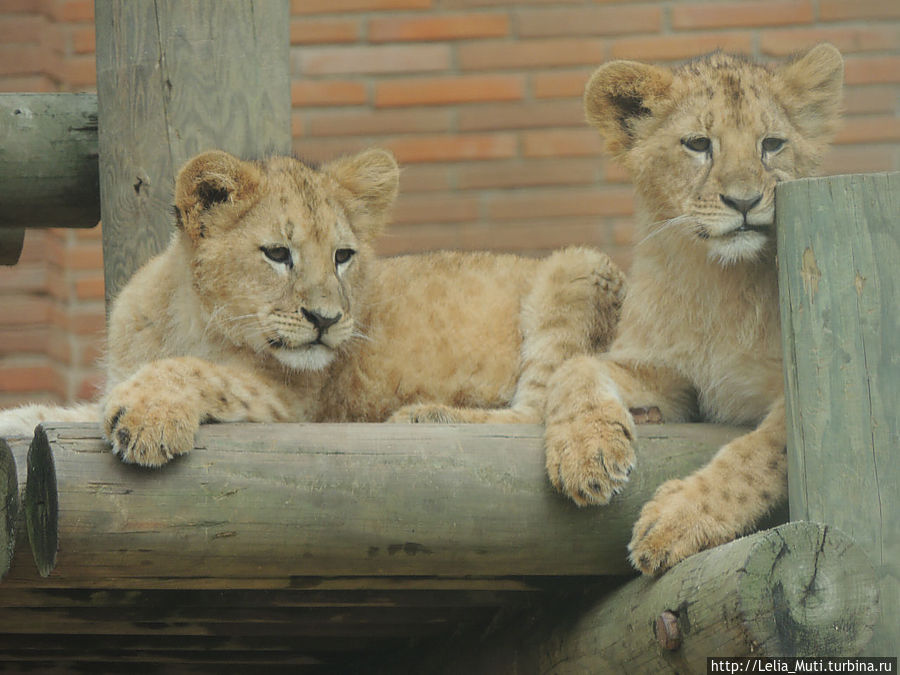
(49, 171)
(12, 240)
(283, 502)
(801, 589)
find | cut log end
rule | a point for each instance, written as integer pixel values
(41, 503)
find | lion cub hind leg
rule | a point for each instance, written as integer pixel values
(572, 308)
(152, 416)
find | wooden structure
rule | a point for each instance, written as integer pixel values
(318, 548)
(839, 243)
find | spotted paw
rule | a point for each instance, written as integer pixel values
(589, 458)
(146, 428)
(672, 526)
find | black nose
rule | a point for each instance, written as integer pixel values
(742, 206)
(322, 323)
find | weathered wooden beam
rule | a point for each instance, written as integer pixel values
(801, 589)
(838, 247)
(173, 79)
(292, 500)
(48, 160)
(11, 242)
(9, 507)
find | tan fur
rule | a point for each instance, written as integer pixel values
(699, 336)
(216, 329)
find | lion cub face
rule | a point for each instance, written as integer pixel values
(279, 249)
(707, 142)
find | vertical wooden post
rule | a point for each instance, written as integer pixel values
(838, 247)
(173, 79)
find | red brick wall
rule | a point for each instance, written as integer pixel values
(480, 101)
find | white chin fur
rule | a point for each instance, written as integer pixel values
(314, 357)
(745, 246)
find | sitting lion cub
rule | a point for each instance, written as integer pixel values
(269, 305)
(700, 334)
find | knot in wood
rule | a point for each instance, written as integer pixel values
(668, 634)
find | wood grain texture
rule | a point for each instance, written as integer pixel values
(9, 507)
(174, 79)
(801, 589)
(839, 243)
(48, 160)
(291, 500)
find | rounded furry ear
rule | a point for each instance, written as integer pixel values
(208, 179)
(372, 178)
(620, 94)
(810, 90)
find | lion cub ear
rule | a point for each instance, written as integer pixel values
(209, 179)
(372, 179)
(619, 95)
(810, 90)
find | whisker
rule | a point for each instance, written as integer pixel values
(663, 226)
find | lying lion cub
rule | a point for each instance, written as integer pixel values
(700, 334)
(269, 305)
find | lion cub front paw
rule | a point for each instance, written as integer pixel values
(590, 457)
(672, 526)
(145, 427)
(424, 413)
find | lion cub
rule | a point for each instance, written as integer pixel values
(700, 334)
(269, 305)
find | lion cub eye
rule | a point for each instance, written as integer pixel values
(278, 254)
(772, 144)
(697, 143)
(343, 255)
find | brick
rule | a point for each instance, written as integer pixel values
(859, 159)
(327, 93)
(16, 6)
(844, 10)
(872, 70)
(30, 378)
(848, 40)
(521, 115)
(439, 27)
(613, 172)
(24, 340)
(71, 11)
(456, 4)
(324, 31)
(445, 90)
(84, 320)
(21, 60)
(26, 310)
(435, 208)
(367, 123)
(84, 40)
(32, 83)
(535, 237)
(565, 84)
(21, 29)
(528, 173)
(588, 21)
(371, 60)
(297, 124)
(677, 47)
(25, 277)
(425, 178)
(561, 143)
(871, 99)
(80, 71)
(400, 239)
(531, 54)
(453, 148)
(741, 14)
(84, 256)
(89, 387)
(59, 347)
(339, 6)
(615, 201)
(323, 150)
(90, 287)
(869, 129)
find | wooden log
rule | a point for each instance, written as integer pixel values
(284, 501)
(40, 504)
(11, 242)
(838, 247)
(174, 79)
(48, 160)
(801, 589)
